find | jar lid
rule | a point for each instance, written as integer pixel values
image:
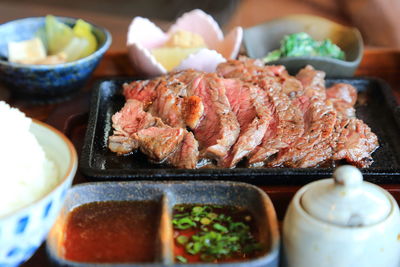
(346, 200)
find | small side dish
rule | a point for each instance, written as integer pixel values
(54, 43)
(112, 231)
(50, 82)
(140, 223)
(302, 44)
(261, 39)
(194, 41)
(214, 234)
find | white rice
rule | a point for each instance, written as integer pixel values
(26, 174)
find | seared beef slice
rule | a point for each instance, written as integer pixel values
(130, 119)
(250, 105)
(286, 119)
(356, 144)
(173, 104)
(319, 122)
(187, 154)
(286, 126)
(143, 90)
(219, 128)
(343, 97)
(159, 143)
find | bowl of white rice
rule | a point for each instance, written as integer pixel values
(37, 166)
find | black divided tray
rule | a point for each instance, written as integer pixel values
(379, 111)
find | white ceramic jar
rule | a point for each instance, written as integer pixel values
(342, 222)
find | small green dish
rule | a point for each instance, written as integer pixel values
(263, 38)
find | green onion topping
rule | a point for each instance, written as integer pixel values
(214, 235)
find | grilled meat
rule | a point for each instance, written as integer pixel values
(244, 110)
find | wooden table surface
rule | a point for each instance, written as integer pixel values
(384, 64)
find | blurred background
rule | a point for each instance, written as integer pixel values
(377, 19)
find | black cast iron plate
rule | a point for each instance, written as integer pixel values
(380, 112)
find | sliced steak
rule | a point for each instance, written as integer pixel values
(219, 128)
(130, 119)
(159, 143)
(286, 123)
(193, 111)
(356, 144)
(292, 87)
(254, 111)
(249, 70)
(185, 98)
(168, 103)
(244, 68)
(346, 92)
(186, 155)
(250, 105)
(343, 97)
(122, 144)
(144, 90)
(173, 104)
(286, 126)
(323, 151)
(313, 82)
(319, 122)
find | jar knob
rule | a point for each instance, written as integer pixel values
(348, 176)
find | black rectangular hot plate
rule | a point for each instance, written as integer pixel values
(377, 107)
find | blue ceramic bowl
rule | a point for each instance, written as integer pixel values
(24, 230)
(46, 81)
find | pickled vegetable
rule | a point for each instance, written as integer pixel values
(302, 44)
(171, 57)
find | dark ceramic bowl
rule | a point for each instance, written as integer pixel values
(262, 39)
(43, 82)
(168, 195)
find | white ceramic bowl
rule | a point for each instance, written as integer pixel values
(23, 231)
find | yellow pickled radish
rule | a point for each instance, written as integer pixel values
(75, 49)
(83, 30)
(171, 57)
(58, 35)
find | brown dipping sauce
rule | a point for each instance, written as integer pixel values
(112, 231)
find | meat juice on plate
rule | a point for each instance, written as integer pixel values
(112, 231)
(211, 233)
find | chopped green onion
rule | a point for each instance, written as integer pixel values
(205, 220)
(197, 210)
(216, 235)
(220, 228)
(212, 215)
(182, 239)
(181, 259)
(183, 223)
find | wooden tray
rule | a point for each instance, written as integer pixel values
(71, 117)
